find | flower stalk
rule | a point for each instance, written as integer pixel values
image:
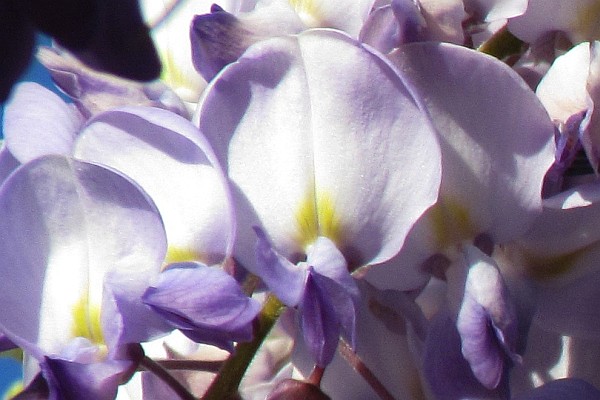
(227, 381)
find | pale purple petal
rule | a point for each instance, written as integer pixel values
(8, 162)
(568, 223)
(167, 156)
(578, 19)
(206, 303)
(284, 278)
(561, 389)
(328, 261)
(382, 30)
(64, 224)
(497, 141)
(125, 318)
(38, 122)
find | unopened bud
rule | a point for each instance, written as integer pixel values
(291, 389)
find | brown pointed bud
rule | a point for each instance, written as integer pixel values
(291, 389)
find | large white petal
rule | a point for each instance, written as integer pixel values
(497, 140)
(322, 136)
(64, 224)
(171, 160)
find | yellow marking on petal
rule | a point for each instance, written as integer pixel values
(451, 222)
(308, 11)
(181, 254)
(86, 321)
(307, 221)
(318, 218)
(587, 21)
(329, 221)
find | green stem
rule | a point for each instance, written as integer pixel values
(225, 386)
(502, 44)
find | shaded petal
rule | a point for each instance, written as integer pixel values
(448, 374)
(331, 274)
(38, 122)
(444, 20)
(578, 19)
(492, 10)
(94, 92)
(220, 38)
(344, 303)
(206, 303)
(37, 389)
(569, 92)
(497, 141)
(560, 389)
(125, 318)
(567, 224)
(167, 156)
(64, 224)
(568, 305)
(321, 136)
(95, 381)
(487, 321)
(284, 278)
(319, 321)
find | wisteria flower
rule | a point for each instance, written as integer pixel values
(308, 139)
(492, 173)
(160, 150)
(80, 243)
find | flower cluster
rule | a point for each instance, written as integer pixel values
(317, 199)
